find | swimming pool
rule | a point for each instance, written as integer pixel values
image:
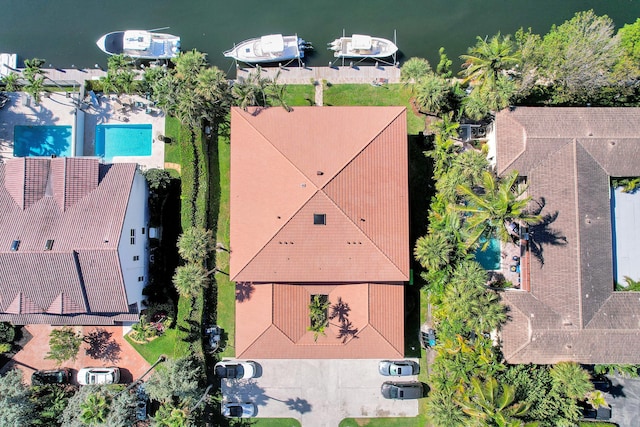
(29, 141)
(489, 259)
(123, 140)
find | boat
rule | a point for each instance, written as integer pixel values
(270, 48)
(140, 44)
(362, 46)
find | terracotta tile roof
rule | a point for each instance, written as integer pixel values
(272, 322)
(79, 205)
(568, 156)
(319, 205)
(347, 163)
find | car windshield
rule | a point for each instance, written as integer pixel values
(393, 392)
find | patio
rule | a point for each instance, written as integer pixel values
(109, 348)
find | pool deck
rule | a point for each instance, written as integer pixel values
(58, 110)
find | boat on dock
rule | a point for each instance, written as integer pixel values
(270, 48)
(8, 63)
(362, 46)
(140, 44)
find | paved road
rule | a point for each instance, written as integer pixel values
(319, 393)
(624, 399)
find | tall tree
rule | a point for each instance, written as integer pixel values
(195, 244)
(94, 409)
(191, 279)
(168, 415)
(432, 94)
(488, 59)
(414, 69)
(15, 406)
(491, 210)
(64, 344)
(179, 379)
(34, 75)
(572, 379)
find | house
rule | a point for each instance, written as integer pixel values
(569, 310)
(319, 206)
(73, 241)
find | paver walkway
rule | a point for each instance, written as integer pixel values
(31, 357)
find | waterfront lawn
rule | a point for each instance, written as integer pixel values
(226, 307)
(172, 149)
(300, 95)
(364, 94)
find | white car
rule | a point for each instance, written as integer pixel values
(90, 376)
(235, 369)
(239, 410)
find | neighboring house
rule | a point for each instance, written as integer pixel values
(570, 310)
(73, 241)
(319, 206)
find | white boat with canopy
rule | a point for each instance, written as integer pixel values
(362, 46)
(140, 44)
(270, 48)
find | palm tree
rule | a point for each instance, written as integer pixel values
(488, 59)
(432, 94)
(318, 315)
(169, 415)
(433, 251)
(278, 93)
(195, 244)
(35, 78)
(414, 69)
(191, 279)
(213, 88)
(493, 407)
(94, 409)
(11, 82)
(443, 411)
(490, 211)
(571, 379)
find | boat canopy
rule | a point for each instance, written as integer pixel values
(359, 41)
(137, 40)
(272, 43)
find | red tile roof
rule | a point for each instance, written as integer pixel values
(348, 163)
(349, 166)
(272, 322)
(568, 156)
(80, 206)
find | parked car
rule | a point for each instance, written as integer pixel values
(427, 336)
(239, 410)
(402, 391)
(400, 368)
(601, 383)
(235, 369)
(54, 376)
(87, 376)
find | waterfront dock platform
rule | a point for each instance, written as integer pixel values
(363, 74)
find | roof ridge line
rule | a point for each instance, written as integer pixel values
(574, 163)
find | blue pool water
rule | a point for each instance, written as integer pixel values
(489, 259)
(29, 141)
(123, 140)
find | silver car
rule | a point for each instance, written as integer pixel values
(239, 410)
(400, 368)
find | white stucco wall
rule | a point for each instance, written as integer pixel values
(136, 219)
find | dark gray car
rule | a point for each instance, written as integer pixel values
(402, 390)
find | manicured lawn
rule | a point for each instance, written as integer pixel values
(300, 95)
(172, 149)
(275, 422)
(361, 94)
(226, 309)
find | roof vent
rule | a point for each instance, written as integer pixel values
(320, 219)
(49, 245)
(319, 173)
(15, 245)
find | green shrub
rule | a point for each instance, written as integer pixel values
(7, 332)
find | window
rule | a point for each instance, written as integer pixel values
(133, 240)
(320, 219)
(15, 245)
(49, 245)
(142, 230)
(140, 278)
(133, 232)
(136, 258)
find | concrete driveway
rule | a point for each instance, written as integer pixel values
(318, 392)
(623, 398)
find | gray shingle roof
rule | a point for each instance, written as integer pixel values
(78, 204)
(568, 156)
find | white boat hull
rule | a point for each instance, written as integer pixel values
(271, 48)
(146, 45)
(360, 46)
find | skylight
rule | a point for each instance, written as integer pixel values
(320, 219)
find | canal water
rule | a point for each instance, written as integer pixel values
(63, 32)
